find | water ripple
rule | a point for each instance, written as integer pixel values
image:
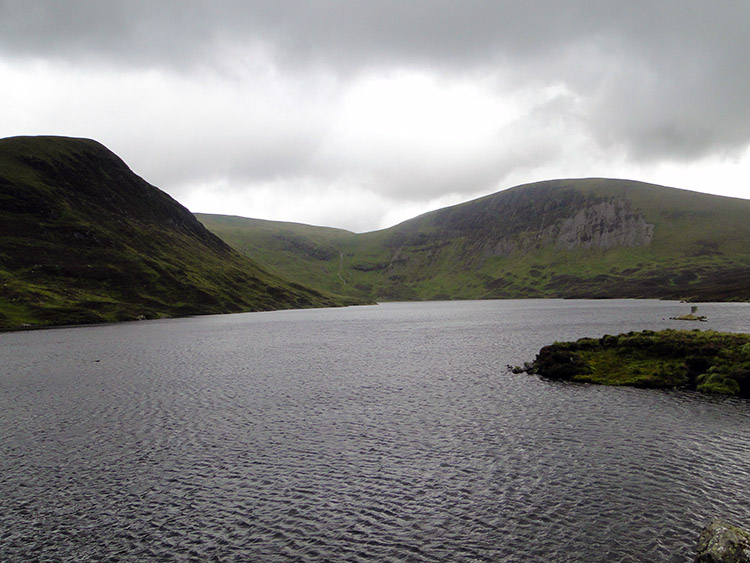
(390, 433)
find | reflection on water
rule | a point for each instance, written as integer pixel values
(392, 432)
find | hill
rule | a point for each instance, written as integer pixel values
(83, 240)
(578, 238)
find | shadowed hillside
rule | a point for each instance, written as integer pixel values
(585, 238)
(84, 240)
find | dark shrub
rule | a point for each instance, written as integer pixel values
(554, 362)
(696, 365)
(742, 377)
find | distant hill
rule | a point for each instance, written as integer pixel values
(578, 238)
(84, 240)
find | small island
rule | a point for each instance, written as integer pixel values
(706, 361)
(691, 316)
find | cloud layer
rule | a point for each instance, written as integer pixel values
(360, 114)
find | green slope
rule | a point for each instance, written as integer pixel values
(310, 255)
(596, 238)
(83, 240)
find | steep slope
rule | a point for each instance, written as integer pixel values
(564, 238)
(83, 239)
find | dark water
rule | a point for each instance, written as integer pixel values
(387, 433)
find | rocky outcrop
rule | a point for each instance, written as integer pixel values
(605, 225)
(721, 542)
(597, 224)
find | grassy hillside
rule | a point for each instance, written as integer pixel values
(565, 238)
(83, 240)
(310, 255)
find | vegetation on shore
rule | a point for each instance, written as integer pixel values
(706, 361)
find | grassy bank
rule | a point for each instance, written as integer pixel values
(707, 361)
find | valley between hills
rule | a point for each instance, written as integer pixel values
(578, 238)
(83, 240)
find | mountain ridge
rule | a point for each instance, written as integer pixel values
(586, 237)
(83, 239)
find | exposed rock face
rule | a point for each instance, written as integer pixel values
(596, 224)
(721, 542)
(605, 225)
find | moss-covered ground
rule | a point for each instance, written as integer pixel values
(707, 361)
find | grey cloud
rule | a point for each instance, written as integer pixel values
(660, 79)
(136, 33)
(684, 92)
(337, 32)
(437, 32)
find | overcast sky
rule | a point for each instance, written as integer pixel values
(362, 113)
